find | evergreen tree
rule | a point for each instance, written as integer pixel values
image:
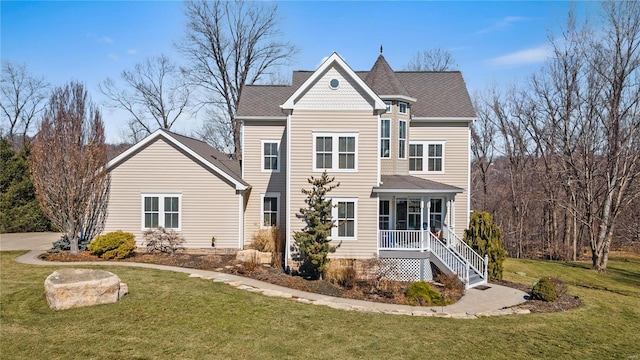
(313, 241)
(485, 238)
(19, 208)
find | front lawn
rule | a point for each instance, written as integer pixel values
(168, 315)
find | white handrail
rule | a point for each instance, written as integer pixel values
(449, 258)
(461, 248)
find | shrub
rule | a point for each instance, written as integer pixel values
(63, 244)
(342, 273)
(559, 286)
(485, 238)
(452, 284)
(162, 240)
(265, 240)
(543, 290)
(421, 293)
(113, 245)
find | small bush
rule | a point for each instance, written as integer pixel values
(113, 245)
(544, 291)
(342, 273)
(265, 240)
(453, 286)
(421, 293)
(162, 240)
(63, 244)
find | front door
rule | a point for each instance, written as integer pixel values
(401, 214)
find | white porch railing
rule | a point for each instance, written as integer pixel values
(474, 259)
(400, 240)
(453, 253)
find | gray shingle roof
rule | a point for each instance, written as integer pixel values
(383, 80)
(438, 94)
(409, 183)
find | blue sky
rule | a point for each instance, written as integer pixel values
(493, 42)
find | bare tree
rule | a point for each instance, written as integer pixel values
(22, 100)
(68, 165)
(229, 45)
(482, 147)
(154, 94)
(436, 59)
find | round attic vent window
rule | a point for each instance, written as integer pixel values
(334, 83)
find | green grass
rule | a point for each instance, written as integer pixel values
(168, 315)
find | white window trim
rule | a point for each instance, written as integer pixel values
(334, 217)
(425, 156)
(161, 197)
(403, 155)
(389, 138)
(262, 196)
(389, 104)
(262, 169)
(406, 107)
(335, 158)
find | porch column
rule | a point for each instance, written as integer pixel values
(452, 222)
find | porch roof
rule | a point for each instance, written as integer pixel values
(413, 184)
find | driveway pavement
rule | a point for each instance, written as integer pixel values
(28, 241)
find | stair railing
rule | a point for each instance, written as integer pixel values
(449, 258)
(461, 248)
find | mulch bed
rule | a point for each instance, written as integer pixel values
(388, 292)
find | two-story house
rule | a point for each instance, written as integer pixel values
(397, 142)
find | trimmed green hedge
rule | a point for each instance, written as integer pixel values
(113, 245)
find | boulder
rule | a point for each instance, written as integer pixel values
(254, 255)
(70, 288)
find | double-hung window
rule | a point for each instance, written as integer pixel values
(402, 139)
(402, 108)
(435, 157)
(426, 157)
(344, 213)
(335, 151)
(415, 157)
(270, 155)
(270, 203)
(161, 210)
(385, 138)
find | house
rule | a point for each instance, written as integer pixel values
(397, 141)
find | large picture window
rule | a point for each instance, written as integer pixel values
(337, 152)
(385, 138)
(161, 210)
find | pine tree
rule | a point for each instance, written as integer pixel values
(485, 238)
(313, 241)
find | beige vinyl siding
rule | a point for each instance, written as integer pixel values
(352, 184)
(210, 205)
(348, 96)
(263, 181)
(456, 161)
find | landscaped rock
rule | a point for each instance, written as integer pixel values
(250, 255)
(70, 288)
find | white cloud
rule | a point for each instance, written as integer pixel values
(106, 40)
(526, 56)
(502, 23)
(114, 57)
(132, 51)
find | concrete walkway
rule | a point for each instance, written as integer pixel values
(496, 300)
(493, 301)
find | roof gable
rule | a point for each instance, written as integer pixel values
(335, 67)
(201, 151)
